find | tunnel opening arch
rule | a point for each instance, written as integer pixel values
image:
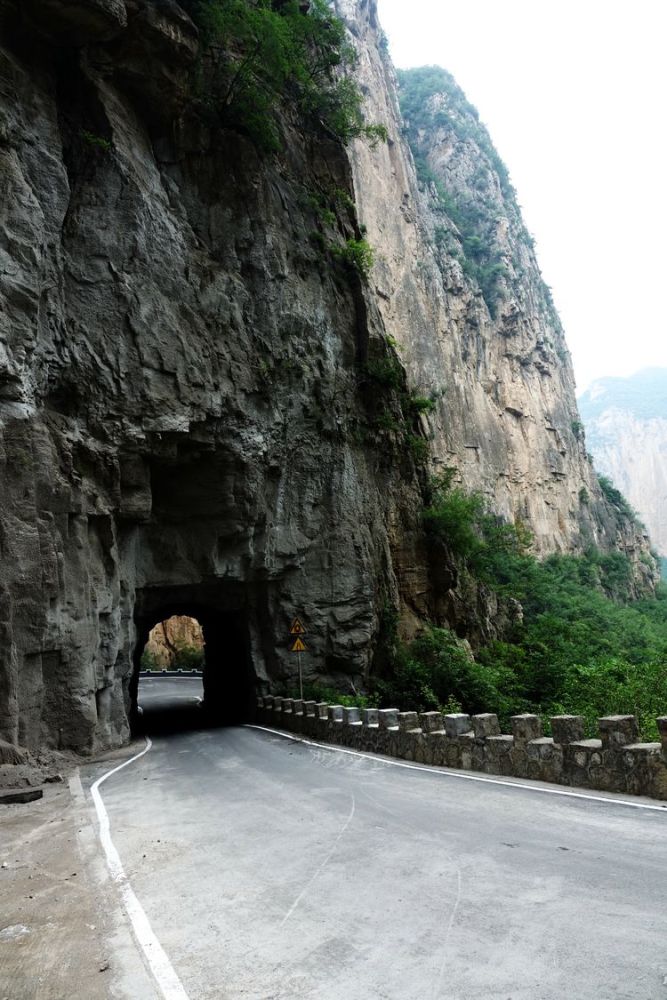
(229, 678)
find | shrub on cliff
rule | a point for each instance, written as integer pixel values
(461, 521)
(436, 671)
(261, 54)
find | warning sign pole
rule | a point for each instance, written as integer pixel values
(298, 663)
(298, 647)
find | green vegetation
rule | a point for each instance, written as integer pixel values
(261, 56)
(386, 376)
(472, 210)
(460, 521)
(461, 117)
(97, 141)
(358, 254)
(579, 645)
(616, 498)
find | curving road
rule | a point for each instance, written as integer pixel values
(272, 869)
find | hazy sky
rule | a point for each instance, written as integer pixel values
(574, 93)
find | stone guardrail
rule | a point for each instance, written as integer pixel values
(171, 673)
(615, 762)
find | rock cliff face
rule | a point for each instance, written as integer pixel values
(466, 304)
(186, 422)
(626, 429)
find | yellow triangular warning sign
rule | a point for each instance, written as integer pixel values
(298, 646)
(297, 628)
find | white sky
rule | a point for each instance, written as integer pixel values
(574, 93)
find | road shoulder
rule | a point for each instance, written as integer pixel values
(61, 929)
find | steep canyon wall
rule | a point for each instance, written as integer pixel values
(185, 423)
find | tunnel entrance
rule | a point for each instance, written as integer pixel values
(220, 620)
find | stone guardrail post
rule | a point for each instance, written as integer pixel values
(456, 725)
(525, 728)
(431, 722)
(567, 729)
(388, 718)
(485, 725)
(616, 731)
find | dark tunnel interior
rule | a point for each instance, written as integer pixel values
(228, 679)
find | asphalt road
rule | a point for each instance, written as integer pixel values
(271, 869)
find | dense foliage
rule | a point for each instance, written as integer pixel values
(579, 645)
(261, 55)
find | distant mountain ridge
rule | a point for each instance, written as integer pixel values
(626, 432)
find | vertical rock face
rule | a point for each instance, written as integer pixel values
(626, 428)
(181, 409)
(186, 425)
(459, 289)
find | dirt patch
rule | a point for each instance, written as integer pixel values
(51, 941)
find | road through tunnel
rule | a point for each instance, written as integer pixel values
(228, 676)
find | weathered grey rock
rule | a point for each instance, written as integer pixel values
(336, 713)
(431, 722)
(567, 728)
(10, 754)
(370, 717)
(618, 730)
(21, 796)
(322, 710)
(408, 722)
(310, 708)
(484, 725)
(457, 724)
(351, 717)
(388, 718)
(526, 727)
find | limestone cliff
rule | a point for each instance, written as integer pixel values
(626, 430)
(188, 418)
(169, 640)
(473, 319)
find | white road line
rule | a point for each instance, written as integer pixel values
(163, 972)
(446, 773)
